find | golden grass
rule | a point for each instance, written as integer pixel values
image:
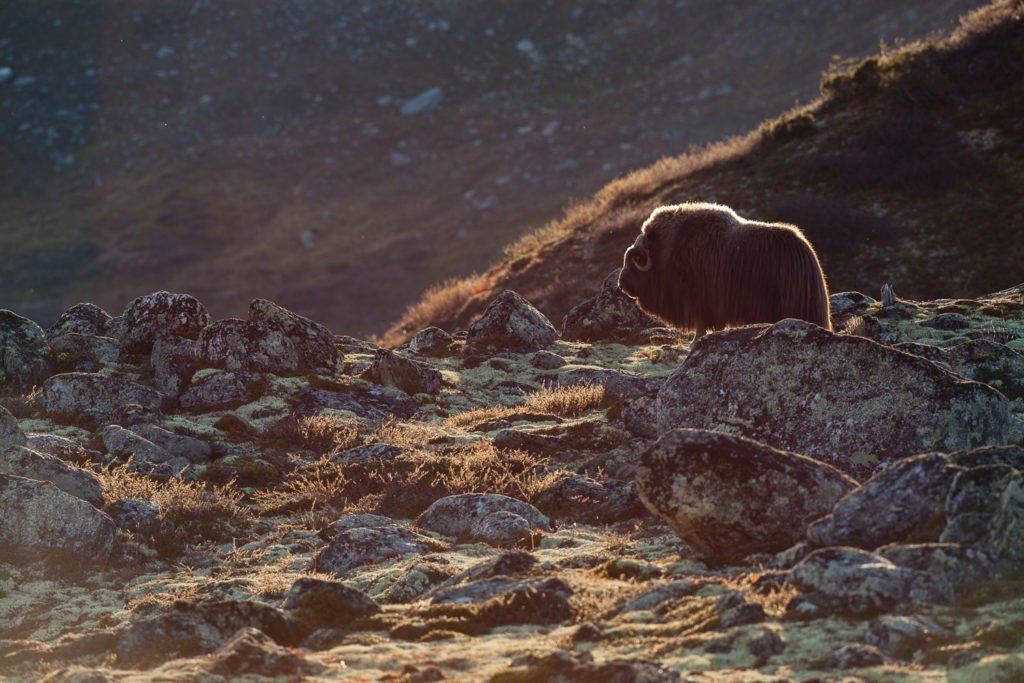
(570, 401)
(197, 509)
(439, 303)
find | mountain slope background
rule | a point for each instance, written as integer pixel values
(907, 170)
(341, 157)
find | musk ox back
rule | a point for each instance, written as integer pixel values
(701, 267)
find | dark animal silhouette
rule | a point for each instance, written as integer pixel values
(701, 267)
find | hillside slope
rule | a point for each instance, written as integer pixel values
(272, 149)
(906, 170)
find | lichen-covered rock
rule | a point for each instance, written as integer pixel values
(25, 359)
(579, 498)
(502, 529)
(40, 521)
(81, 319)
(858, 583)
(949, 564)
(142, 517)
(729, 496)
(316, 603)
(216, 391)
(313, 342)
(174, 359)
(190, 629)
(457, 515)
(10, 431)
(86, 348)
(844, 400)
(511, 323)
(357, 546)
(509, 564)
(127, 444)
(609, 315)
(376, 403)
(431, 341)
(24, 462)
(901, 636)
(178, 445)
(563, 665)
(842, 304)
(855, 656)
(903, 502)
(981, 360)
(251, 652)
(240, 345)
(411, 376)
(160, 314)
(94, 398)
(985, 511)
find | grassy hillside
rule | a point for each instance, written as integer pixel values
(260, 149)
(906, 170)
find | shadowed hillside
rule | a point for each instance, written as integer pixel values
(906, 170)
(340, 157)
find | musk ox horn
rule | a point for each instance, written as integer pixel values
(640, 257)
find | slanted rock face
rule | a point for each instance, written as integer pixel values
(10, 431)
(847, 401)
(260, 346)
(313, 342)
(161, 314)
(609, 315)
(728, 496)
(24, 462)
(25, 359)
(411, 376)
(94, 397)
(40, 520)
(904, 501)
(511, 323)
(985, 509)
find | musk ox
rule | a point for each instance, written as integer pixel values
(701, 267)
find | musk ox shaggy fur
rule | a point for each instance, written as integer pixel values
(701, 267)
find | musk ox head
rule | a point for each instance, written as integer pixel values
(699, 266)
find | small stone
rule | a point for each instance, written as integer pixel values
(160, 314)
(502, 529)
(411, 376)
(431, 341)
(424, 102)
(457, 515)
(609, 315)
(317, 603)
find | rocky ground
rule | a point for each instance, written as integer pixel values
(189, 499)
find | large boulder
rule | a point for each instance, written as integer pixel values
(609, 315)
(95, 398)
(905, 502)
(313, 342)
(728, 496)
(161, 314)
(25, 359)
(847, 401)
(257, 346)
(511, 323)
(41, 521)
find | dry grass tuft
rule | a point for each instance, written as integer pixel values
(570, 401)
(198, 510)
(402, 486)
(326, 433)
(441, 302)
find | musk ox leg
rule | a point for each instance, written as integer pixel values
(698, 333)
